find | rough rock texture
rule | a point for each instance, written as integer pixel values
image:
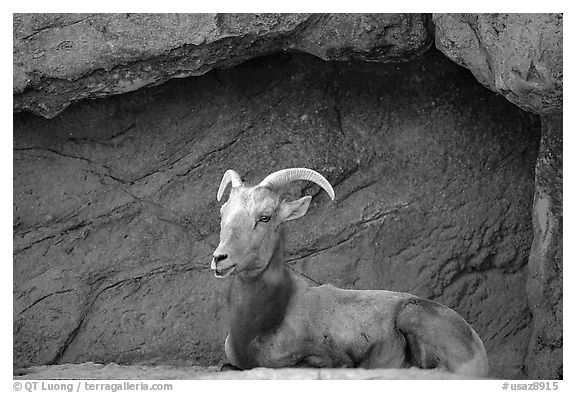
(544, 283)
(520, 56)
(114, 371)
(115, 214)
(516, 55)
(62, 58)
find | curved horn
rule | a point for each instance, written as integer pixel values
(229, 176)
(285, 176)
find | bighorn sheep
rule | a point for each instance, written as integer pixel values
(278, 320)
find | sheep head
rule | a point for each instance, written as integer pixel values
(252, 217)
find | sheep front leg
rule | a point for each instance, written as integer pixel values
(311, 362)
(230, 356)
(229, 367)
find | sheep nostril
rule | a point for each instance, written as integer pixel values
(220, 257)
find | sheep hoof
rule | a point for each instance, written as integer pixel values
(229, 367)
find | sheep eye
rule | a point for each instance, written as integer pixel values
(264, 218)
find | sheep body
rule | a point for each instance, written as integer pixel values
(278, 320)
(325, 326)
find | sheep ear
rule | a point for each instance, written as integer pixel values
(293, 210)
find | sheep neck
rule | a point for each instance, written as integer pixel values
(258, 305)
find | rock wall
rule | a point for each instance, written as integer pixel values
(115, 215)
(104, 169)
(520, 56)
(62, 58)
(544, 283)
(516, 55)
